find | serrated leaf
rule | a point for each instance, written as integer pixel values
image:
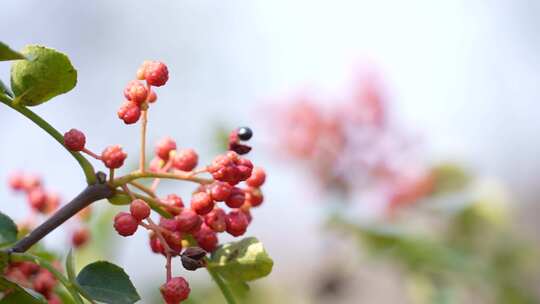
(49, 73)
(6, 53)
(8, 230)
(15, 294)
(108, 283)
(242, 261)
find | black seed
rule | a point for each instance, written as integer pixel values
(239, 148)
(196, 253)
(192, 264)
(244, 133)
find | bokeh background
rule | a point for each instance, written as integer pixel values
(464, 76)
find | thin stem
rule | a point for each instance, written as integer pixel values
(155, 184)
(179, 176)
(111, 176)
(199, 171)
(92, 154)
(168, 250)
(21, 257)
(168, 267)
(157, 230)
(83, 162)
(143, 188)
(156, 181)
(148, 227)
(126, 189)
(144, 124)
(227, 293)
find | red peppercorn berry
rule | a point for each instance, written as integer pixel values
(139, 209)
(216, 220)
(164, 147)
(80, 237)
(74, 140)
(125, 224)
(185, 159)
(175, 290)
(129, 112)
(236, 199)
(113, 157)
(254, 197)
(207, 238)
(136, 92)
(257, 178)
(188, 221)
(237, 223)
(156, 73)
(202, 203)
(220, 191)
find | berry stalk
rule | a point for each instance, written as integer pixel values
(144, 124)
(178, 176)
(168, 250)
(144, 189)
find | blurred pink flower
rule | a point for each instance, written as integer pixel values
(353, 145)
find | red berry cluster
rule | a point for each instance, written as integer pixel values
(221, 203)
(42, 201)
(39, 199)
(30, 275)
(354, 144)
(204, 218)
(138, 95)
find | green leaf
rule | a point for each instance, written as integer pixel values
(120, 199)
(418, 253)
(49, 73)
(108, 283)
(6, 53)
(5, 90)
(239, 289)
(8, 230)
(15, 294)
(242, 261)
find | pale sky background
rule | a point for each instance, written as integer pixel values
(463, 73)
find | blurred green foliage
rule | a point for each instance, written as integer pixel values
(475, 254)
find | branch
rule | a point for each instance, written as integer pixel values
(180, 175)
(90, 194)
